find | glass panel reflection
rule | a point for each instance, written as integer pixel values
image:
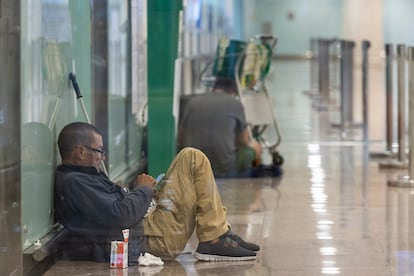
(127, 89)
(51, 46)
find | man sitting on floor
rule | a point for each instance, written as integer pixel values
(94, 210)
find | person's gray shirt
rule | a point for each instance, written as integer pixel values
(211, 122)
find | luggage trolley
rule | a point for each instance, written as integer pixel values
(248, 63)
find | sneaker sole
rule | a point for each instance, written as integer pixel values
(218, 258)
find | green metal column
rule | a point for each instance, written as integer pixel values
(163, 21)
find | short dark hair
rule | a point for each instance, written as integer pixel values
(227, 85)
(77, 133)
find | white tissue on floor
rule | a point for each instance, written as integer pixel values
(149, 259)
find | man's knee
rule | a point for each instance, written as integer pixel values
(193, 154)
(190, 151)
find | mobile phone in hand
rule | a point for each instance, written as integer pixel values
(160, 181)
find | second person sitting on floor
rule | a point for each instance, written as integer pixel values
(216, 124)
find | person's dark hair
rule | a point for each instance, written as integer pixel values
(77, 133)
(226, 85)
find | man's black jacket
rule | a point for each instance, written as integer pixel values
(94, 210)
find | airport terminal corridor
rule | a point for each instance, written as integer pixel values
(330, 213)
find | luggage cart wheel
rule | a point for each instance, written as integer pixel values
(277, 159)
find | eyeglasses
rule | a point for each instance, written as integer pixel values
(95, 149)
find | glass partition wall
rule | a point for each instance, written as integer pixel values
(93, 40)
(125, 101)
(53, 43)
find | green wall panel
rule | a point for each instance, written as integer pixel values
(163, 21)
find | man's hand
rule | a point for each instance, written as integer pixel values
(145, 180)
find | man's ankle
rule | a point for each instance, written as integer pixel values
(215, 240)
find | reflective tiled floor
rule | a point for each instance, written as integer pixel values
(331, 212)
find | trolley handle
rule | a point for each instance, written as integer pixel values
(266, 39)
(72, 78)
